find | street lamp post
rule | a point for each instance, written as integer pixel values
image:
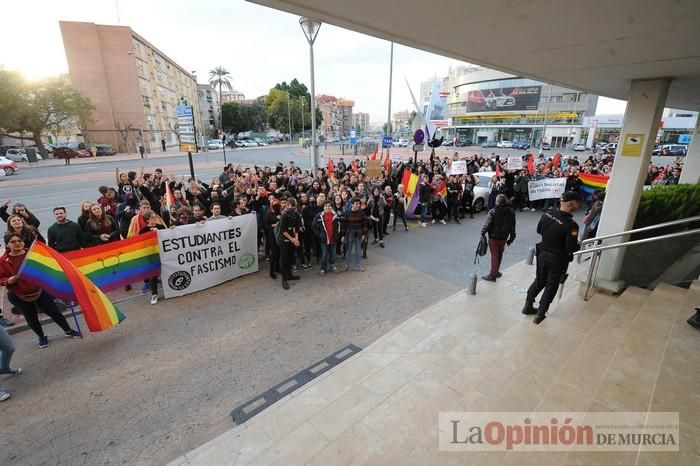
(310, 28)
(289, 118)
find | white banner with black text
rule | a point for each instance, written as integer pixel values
(547, 188)
(198, 256)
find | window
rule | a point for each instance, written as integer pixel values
(145, 86)
(163, 106)
(146, 101)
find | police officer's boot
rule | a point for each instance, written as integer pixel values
(529, 309)
(541, 314)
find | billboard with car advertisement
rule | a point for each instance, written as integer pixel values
(498, 99)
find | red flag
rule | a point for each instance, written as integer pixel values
(387, 164)
(374, 156)
(498, 169)
(556, 162)
(331, 167)
(353, 167)
(531, 164)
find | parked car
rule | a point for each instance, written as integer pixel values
(505, 144)
(239, 143)
(481, 190)
(104, 149)
(215, 144)
(610, 148)
(579, 147)
(8, 167)
(20, 155)
(669, 149)
(545, 146)
(62, 152)
(489, 144)
(260, 142)
(521, 145)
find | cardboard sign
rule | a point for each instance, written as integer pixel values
(459, 167)
(374, 168)
(514, 163)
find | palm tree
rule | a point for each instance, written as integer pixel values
(220, 77)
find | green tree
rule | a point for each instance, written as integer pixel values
(297, 92)
(221, 78)
(36, 107)
(231, 120)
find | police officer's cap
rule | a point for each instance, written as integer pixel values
(569, 196)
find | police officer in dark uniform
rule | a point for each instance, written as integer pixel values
(289, 229)
(559, 241)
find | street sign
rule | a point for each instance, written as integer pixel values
(353, 137)
(419, 136)
(387, 141)
(185, 120)
(418, 147)
(184, 111)
(186, 129)
(189, 148)
(187, 138)
(685, 138)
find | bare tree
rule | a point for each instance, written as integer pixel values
(123, 128)
(175, 128)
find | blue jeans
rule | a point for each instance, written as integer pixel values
(327, 255)
(424, 212)
(352, 240)
(7, 349)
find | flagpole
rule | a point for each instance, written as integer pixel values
(75, 318)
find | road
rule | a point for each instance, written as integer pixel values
(43, 188)
(166, 379)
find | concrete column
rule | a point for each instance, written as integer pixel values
(691, 167)
(644, 107)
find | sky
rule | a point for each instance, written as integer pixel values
(258, 45)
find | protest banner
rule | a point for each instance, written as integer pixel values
(514, 163)
(374, 169)
(196, 257)
(459, 167)
(547, 188)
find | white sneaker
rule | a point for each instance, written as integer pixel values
(433, 221)
(443, 222)
(423, 225)
(532, 209)
(4, 395)
(154, 299)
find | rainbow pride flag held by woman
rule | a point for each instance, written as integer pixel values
(591, 183)
(49, 270)
(111, 266)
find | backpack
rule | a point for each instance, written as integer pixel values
(278, 232)
(481, 248)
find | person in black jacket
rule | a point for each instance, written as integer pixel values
(559, 234)
(424, 199)
(500, 227)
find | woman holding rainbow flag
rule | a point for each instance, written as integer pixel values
(26, 296)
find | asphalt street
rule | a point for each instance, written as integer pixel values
(43, 188)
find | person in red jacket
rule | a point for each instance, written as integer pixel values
(25, 296)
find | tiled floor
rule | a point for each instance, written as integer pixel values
(478, 353)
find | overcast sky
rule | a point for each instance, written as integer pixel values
(258, 45)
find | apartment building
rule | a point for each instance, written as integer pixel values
(208, 110)
(360, 121)
(134, 87)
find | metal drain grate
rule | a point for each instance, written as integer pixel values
(252, 407)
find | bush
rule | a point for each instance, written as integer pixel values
(667, 203)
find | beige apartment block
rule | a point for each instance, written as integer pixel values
(133, 86)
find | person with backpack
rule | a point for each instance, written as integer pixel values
(500, 227)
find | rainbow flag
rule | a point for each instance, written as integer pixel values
(49, 270)
(591, 183)
(441, 189)
(114, 265)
